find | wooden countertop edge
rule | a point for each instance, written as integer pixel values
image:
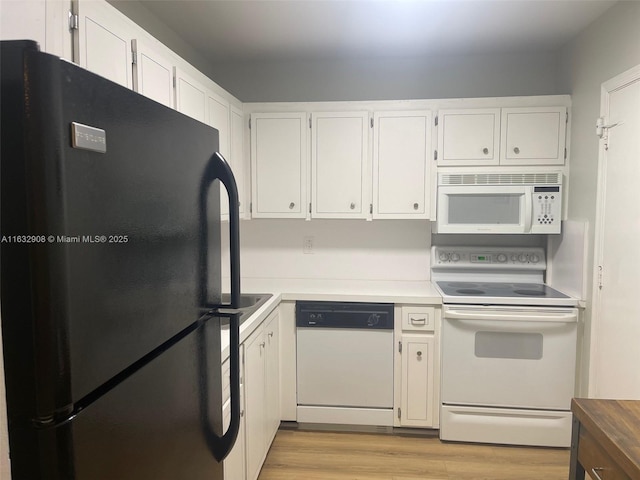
(615, 425)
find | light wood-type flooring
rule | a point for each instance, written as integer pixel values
(308, 455)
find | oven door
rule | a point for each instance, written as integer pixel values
(484, 209)
(509, 356)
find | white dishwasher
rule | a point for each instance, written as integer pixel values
(345, 363)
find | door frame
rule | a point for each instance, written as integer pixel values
(608, 87)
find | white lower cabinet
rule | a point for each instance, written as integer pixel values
(234, 464)
(262, 389)
(417, 354)
(417, 393)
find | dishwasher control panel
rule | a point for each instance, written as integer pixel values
(359, 315)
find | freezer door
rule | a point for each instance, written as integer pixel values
(155, 425)
(120, 273)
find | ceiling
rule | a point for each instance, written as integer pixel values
(242, 30)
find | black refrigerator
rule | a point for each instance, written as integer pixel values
(110, 287)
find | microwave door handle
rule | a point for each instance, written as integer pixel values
(528, 211)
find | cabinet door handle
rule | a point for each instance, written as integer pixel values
(415, 206)
(421, 321)
(270, 334)
(485, 150)
(419, 354)
(291, 205)
(516, 150)
(262, 344)
(352, 206)
(596, 472)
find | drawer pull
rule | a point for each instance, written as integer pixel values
(596, 472)
(421, 321)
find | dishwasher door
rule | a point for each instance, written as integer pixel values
(345, 367)
(345, 363)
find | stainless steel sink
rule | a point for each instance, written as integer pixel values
(249, 303)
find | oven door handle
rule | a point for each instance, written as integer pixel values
(506, 317)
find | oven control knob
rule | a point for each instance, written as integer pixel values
(502, 258)
(534, 258)
(444, 257)
(522, 258)
(455, 257)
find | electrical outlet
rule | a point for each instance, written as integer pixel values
(307, 245)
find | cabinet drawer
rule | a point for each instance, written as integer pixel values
(418, 318)
(596, 462)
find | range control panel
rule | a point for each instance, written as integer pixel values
(488, 257)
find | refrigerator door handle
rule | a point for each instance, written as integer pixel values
(219, 169)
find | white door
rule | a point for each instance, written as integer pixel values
(255, 421)
(469, 136)
(533, 136)
(486, 351)
(152, 74)
(401, 154)
(237, 154)
(279, 157)
(272, 377)
(339, 164)
(219, 115)
(417, 398)
(103, 38)
(191, 96)
(615, 356)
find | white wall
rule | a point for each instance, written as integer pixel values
(608, 47)
(467, 76)
(353, 256)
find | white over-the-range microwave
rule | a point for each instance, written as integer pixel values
(509, 202)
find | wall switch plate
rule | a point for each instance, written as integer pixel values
(307, 245)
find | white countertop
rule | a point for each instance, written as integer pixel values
(418, 293)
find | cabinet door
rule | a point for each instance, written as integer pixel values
(234, 464)
(272, 376)
(152, 74)
(533, 136)
(339, 164)
(417, 397)
(237, 154)
(469, 137)
(279, 157)
(401, 152)
(219, 111)
(191, 96)
(254, 384)
(103, 42)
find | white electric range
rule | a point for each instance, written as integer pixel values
(508, 347)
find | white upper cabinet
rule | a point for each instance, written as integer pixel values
(152, 74)
(219, 111)
(401, 160)
(469, 137)
(502, 136)
(103, 42)
(339, 159)
(279, 158)
(237, 155)
(533, 136)
(191, 96)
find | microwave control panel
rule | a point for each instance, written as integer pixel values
(547, 209)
